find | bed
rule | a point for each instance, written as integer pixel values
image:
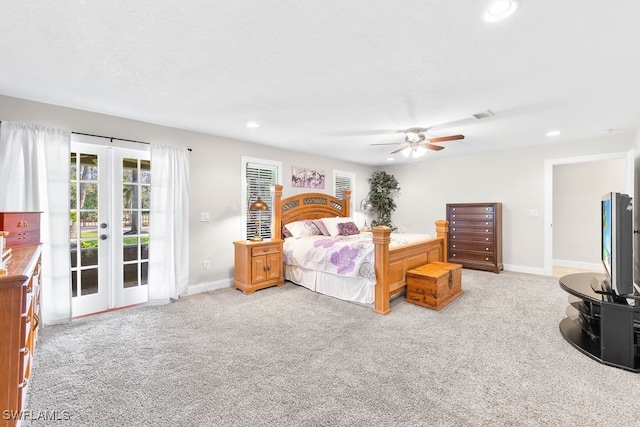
(391, 255)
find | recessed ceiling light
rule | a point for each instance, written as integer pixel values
(252, 125)
(500, 9)
(553, 133)
(605, 131)
(390, 159)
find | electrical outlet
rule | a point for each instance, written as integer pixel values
(205, 264)
(533, 213)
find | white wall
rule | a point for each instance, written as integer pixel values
(513, 177)
(577, 191)
(215, 176)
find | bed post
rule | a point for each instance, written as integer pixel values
(276, 226)
(347, 202)
(442, 231)
(381, 240)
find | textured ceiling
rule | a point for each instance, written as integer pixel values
(332, 77)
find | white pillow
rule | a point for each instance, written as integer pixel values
(332, 224)
(302, 229)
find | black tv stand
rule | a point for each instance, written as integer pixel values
(601, 325)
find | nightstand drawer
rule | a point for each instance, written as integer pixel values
(265, 250)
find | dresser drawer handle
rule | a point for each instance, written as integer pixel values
(454, 246)
(486, 259)
(486, 238)
(486, 249)
(23, 224)
(265, 250)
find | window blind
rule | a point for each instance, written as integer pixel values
(260, 178)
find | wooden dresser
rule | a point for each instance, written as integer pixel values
(475, 235)
(23, 228)
(258, 265)
(19, 319)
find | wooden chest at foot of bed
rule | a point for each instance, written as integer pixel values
(434, 285)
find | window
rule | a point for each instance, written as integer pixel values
(258, 177)
(344, 181)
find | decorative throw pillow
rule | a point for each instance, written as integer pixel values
(332, 224)
(285, 232)
(318, 223)
(348, 228)
(303, 229)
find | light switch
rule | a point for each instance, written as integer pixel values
(204, 216)
(533, 213)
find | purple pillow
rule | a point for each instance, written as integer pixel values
(318, 223)
(348, 228)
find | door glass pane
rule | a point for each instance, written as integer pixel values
(74, 283)
(145, 171)
(89, 253)
(130, 196)
(130, 275)
(130, 170)
(144, 272)
(146, 196)
(89, 281)
(130, 222)
(130, 248)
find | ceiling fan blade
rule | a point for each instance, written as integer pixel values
(398, 150)
(446, 138)
(388, 143)
(433, 147)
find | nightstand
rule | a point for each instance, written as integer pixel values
(258, 265)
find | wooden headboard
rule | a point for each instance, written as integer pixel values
(306, 206)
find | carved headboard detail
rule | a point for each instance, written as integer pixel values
(306, 206)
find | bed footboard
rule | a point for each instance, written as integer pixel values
(391, 265)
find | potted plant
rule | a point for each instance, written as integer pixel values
(383, 188)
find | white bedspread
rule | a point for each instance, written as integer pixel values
(349, 256)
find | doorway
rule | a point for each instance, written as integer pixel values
(627, 187)
(109, 190)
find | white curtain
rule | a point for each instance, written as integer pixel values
(169, 223)
(34, 177)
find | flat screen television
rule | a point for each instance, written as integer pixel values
(617, 243)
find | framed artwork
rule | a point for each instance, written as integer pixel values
(307, 178)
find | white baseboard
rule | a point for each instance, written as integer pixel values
(209, 286)
(597, 266)
(525, 269)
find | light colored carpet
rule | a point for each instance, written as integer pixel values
(290, 357)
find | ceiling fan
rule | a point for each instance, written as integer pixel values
(416, 142)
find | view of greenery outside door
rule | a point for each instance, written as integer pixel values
(109, 227)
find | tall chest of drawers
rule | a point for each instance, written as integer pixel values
(19, 319)
(475, 235)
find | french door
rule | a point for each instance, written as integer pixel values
(109, 227)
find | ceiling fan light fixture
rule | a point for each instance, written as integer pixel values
(499, 10)
(414, 151)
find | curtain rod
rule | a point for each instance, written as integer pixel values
(112, 138)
